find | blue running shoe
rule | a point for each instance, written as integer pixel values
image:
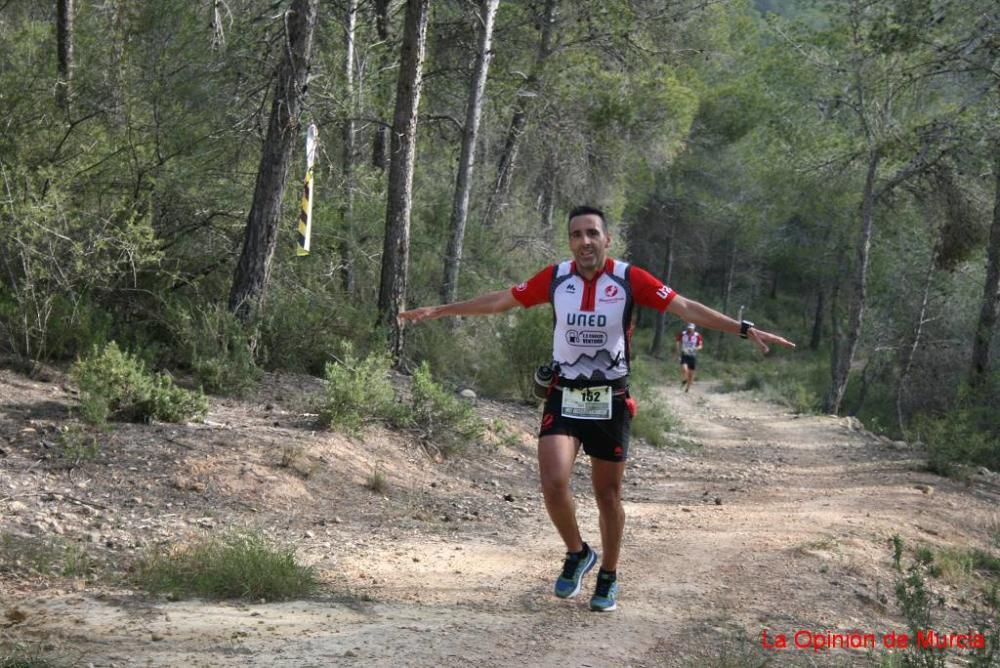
(574, 568)
(605, 598)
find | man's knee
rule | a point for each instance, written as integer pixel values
(554, 484)
(608, 496)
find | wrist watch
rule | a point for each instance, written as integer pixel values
(745, 326)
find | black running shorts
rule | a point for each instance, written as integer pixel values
(601, 439)
(690, 361)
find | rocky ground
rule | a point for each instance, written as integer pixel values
(764, 521)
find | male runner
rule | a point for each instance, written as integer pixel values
(592, 297)
(688, 344)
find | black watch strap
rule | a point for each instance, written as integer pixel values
(745, 326)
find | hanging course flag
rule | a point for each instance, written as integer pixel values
(305, 209)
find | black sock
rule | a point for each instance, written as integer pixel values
(611, 575)
(583, 553)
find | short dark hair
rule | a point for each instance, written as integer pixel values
(585, 210)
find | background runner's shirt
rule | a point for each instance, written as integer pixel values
(689, 342)
(593, 319)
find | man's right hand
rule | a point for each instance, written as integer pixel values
(422, 313)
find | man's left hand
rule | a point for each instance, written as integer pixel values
(761, 339)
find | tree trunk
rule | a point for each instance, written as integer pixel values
(522, 106)
(347, 211)
(817, 328)
(668, 264)
(259, 242)
(547, 206)
(836, 336)
(910, 352)
(396, 249)
(859, 295)
(218, 30)
(64, 45)
(463, 181)
(381, 139)
(721, 338)
(989, 313)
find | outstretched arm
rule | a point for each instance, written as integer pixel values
(692, 311)
(486, 304)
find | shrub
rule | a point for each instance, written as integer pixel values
(497, 356)
(653, 421)
(58, 267)
(78, 444)
(306, 319)
(113, 383)
(53, 556)
(955, 440)
(526, 345)
(18, 655)
(798, 385)
(361, 390)
(216, 347)
(358, 390)
(235, 565)
(443, 418)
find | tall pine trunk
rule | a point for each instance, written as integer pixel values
(547, 204)
(396, 248)
(260, 239)
(463, 181)
(381, 139)
(519, 119)
(64, 47)
(668, 263)
(989, 312)
(910, 352)
(817, 328)
(721, 339)
(347, 210)
(859, 292)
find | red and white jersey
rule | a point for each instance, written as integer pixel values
(593, 319)
(690, 341)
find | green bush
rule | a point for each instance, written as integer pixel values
(237, 565)
(308, 315)
(526, 344)
(955, 440)
(444, 419)
(496, 356)
(653, 421)
(114, 384)
(799, 385)
(58, 268)
(358, 390)
(215, 345)
(18, 655)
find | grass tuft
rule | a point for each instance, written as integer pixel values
(237, 565)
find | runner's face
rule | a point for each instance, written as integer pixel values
(588, 242)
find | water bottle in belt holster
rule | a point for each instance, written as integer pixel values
(544, 379)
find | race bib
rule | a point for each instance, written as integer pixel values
(588, 403)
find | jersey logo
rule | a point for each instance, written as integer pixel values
(587, 319)
(587, 338)
(611, 291)
(571, 287)
(521, 287)
(663, 292)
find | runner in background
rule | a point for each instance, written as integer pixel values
(689, 342)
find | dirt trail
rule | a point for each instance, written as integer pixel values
(777, 521)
